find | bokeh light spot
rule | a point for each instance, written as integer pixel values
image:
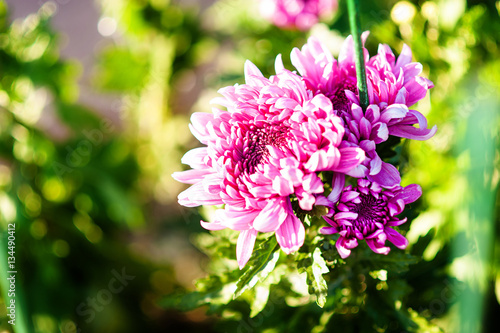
(60, 248)
(106, 26)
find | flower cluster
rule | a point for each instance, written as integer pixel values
(268, 147)
(296, 14)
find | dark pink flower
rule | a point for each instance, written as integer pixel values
(296, 14)
(368, 212)
(393, 86)
(268, 146)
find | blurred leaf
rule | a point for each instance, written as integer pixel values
(394, 262)
(78, 117)
(120, 70)
(315, 266)
(261, 263)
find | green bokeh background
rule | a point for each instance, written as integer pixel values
(92, 194)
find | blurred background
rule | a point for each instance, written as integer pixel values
(95, 99)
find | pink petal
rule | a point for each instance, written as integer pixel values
(244, 246)
(236, 219)
(291, 234)
(191, 176)
(196, 196)
(271, 217)
(212, 226)
(194, 158)
(198, 126)
(351, 157)
(404, 57)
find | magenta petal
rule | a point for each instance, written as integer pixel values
(345, 245)
(396, 238)
(349, 196)
(380, 133)
(394, 111)
(358, 172)
(409, 193)
(387, 177)
(328, 230)
(377, 245)
(413, 133)
(244, 246)
(345, 215)
(322, 201)
(337, 187)
(291, 234)
(395, 223)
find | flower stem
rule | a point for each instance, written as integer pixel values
(354, 22)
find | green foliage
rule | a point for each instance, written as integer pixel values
(260, 264)
(314, 266)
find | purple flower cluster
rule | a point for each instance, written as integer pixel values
(266, 149)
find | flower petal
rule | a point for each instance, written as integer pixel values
(337, 187)
(271, 217)
(396, 238)
(409, 193)
(351, 157)
(388, 176)
(196, 196)
(244, 246)
(291, 234)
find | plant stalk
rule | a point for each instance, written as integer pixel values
(354, 22)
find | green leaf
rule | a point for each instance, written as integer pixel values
(315, 266)
(262, 291)
(216, 294)
(261, 263)
(394, 262)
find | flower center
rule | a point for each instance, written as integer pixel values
(339, 99)
(370, 211)
(258, 138)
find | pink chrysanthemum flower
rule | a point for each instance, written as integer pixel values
(369, 212)
(267, 147)
(296, 14)
(393, 86)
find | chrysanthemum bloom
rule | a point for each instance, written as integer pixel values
(267, 147)
(393, 86)
(369, 212)
(296, 14)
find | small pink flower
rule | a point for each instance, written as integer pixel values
(296, 14)
(266, 148)
(369, 212)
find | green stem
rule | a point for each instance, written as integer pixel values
(354, 22)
